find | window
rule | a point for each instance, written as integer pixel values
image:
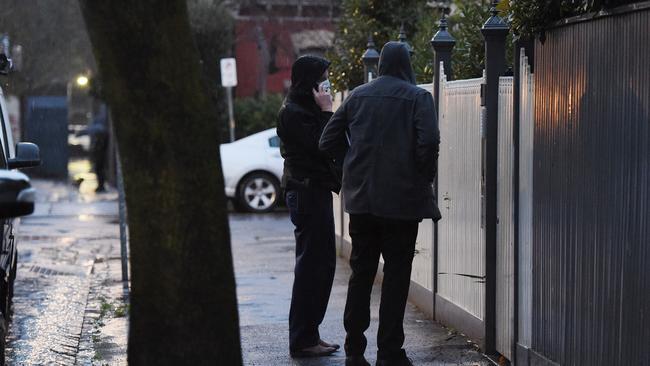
(274, 141)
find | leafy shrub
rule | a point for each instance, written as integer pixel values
(468, 56)
(382, 19)
(253, 115)
(531, 17)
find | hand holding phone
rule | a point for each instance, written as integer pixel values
(323, 97)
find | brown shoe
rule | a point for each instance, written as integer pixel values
(331, 345)
(313, 351)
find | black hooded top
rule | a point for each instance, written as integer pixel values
(394, 140)
(305, 74)
(395, 61)
(299, 126)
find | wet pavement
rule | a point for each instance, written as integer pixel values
(263, 251)
(70, 307)
(67, 254)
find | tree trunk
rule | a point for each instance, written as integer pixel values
(183, 300)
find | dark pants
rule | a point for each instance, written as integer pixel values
(100, 171)
(395, 240)
(99, 149)
(312, 214)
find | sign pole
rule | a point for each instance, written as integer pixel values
(228, 81)
(231, 115)
(123, 221)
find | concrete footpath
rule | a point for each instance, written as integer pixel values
(69, 306)
(263, 250)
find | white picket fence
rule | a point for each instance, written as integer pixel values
(505, 279)
(461, 239)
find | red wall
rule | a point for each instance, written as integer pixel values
(278, 35)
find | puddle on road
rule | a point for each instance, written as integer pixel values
(86, 218)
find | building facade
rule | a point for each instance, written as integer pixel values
(271, 34)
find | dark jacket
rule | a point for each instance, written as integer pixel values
(394, 141)
(299, 126)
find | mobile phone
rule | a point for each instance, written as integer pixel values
(325, 86)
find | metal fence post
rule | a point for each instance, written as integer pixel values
(370, 61)
(443, 44)
(494, 32)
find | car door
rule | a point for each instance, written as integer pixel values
(7, 136)
(7, 250)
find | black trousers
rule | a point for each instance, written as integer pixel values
(395, 241)
(99, 157)
(312, 214)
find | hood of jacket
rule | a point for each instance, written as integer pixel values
(395, 61)
(305, 74)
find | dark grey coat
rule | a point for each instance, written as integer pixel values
(394, 141)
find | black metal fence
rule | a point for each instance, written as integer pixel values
(591, 215)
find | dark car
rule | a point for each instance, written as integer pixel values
(16, 199)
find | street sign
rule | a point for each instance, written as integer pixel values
(228, 72)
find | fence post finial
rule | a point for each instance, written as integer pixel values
(401, 38)
(371, 43)
(493, 10)
(443, 43)
(402, 33)
(494, 21)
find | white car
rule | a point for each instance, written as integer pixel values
(252, 170)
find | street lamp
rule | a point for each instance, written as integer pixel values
(370, 61)
(82, 81)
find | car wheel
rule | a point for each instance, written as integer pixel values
(4, 297)
(3, 335)
(258, 192)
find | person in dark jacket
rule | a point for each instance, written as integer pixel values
(388, 173)
(99, 140)
(309, 178)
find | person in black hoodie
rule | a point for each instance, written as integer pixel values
(309, 178)
(387, 187)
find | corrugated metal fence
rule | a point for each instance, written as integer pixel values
(591, 203)
(526, 124)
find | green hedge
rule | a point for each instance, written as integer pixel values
(253, 115)
(531, 17)
(382, 19)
